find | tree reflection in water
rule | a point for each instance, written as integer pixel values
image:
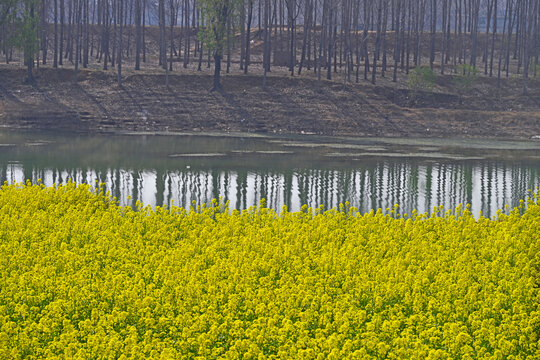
(487, 186)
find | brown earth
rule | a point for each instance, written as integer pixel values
(287, 105)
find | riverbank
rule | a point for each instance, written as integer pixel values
(287, 105)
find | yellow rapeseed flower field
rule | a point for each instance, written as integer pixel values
(83, 278)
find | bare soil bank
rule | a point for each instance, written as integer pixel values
(287, 105)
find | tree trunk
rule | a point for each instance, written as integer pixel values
(444, 45)
(144, 32)
(201, 51)
(114, 42)
(187, 47)
(61, 49)
(242, 34)
(267, 34)
(474, 31)
(163, 41)
(433, 33)
(494, 35)
(330, 43)
(86, 35)
(138, 34)
(171, 33)
(106, 36)
(120, 35)
(77, 37)
(217, 72)
(377, 44)
(55, 52)
(509, 40)
(44, 45)
(365, 38)
(502, 46)
(321, 44)
(307, 31)
(248, 36)
(396, 41)
(29, 44)
(383, 41)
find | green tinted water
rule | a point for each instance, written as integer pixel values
(369, 173)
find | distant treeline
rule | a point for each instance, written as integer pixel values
(359, 38)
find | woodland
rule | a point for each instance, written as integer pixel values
(364, 38)
(425, 53)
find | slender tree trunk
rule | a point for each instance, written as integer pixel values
(509, 40)
(314, 37)
(334, 40)
(330, 43)
(106, 35)
(307, 31)
(187, 48)
(474, 31)
(162, 26)
(377, 43)
(271, 19)
(422, 14)
(291, 8)
(144, 31)
(409, 29)
(138, 34)
(493, 37)
(171, 34)
(201, 51)
(71, 21)
(402, 34)
(115, 39)
(94, 28)
(383, 37)
(120, 39)
(531, 9)
(228, 46)
(129, 21)
(433, 33)
(220, 24)
(242, 34)
(248, 36)
(396, 40)
(443, 47)
(356, 27)
(267, 34)
(365, 39)
(55, 53)
(61, 49)
(78, 5)
(486, 43)
(29, 44)
(502, 46)
(86, 35)
(321, 43)
(217, 71)
(44, 45)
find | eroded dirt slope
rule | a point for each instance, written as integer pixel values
(288, 105)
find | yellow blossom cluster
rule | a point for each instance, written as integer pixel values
(84, 278)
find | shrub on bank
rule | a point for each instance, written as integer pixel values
(81, 277)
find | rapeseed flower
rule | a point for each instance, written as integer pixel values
(82, 277)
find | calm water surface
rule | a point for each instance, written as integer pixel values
(369, 173)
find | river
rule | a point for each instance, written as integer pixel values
(369, 173)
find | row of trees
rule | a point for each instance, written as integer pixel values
(357, 38)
